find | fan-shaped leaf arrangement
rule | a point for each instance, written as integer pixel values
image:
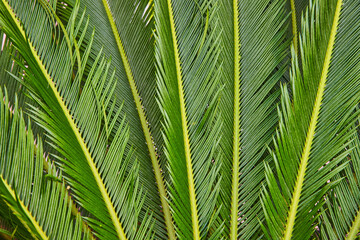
(179, 119)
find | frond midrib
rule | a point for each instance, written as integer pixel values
(118, 227)
(190, 174)
(312, 127)
(146, 130)
(236, 130)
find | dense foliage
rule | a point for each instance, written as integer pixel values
(179, 119)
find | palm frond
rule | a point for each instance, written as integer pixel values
(79, 123)
(124, 29)
(36, 208)
(315, 126)
(252, 69)
(188, 82)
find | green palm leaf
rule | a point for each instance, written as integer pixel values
(176, 137)
(188, 81)
(79, 123)
(251, 57)
(124, 29)
(38, 209)
(9, 70)
(315, 125)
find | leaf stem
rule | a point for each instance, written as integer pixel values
(311, 131)
(190, 174)
(149, 142)
(105, 195)
(236, 130)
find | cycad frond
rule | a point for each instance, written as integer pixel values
(36, 205)
(314, 128)
(79, 123)
(251, 57)
(187, 49)
(124, 29)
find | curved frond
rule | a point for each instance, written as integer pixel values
(251, 72)
(314, 128)
(42, 208)
(188, 82)
(124, 30)
(79, 120)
